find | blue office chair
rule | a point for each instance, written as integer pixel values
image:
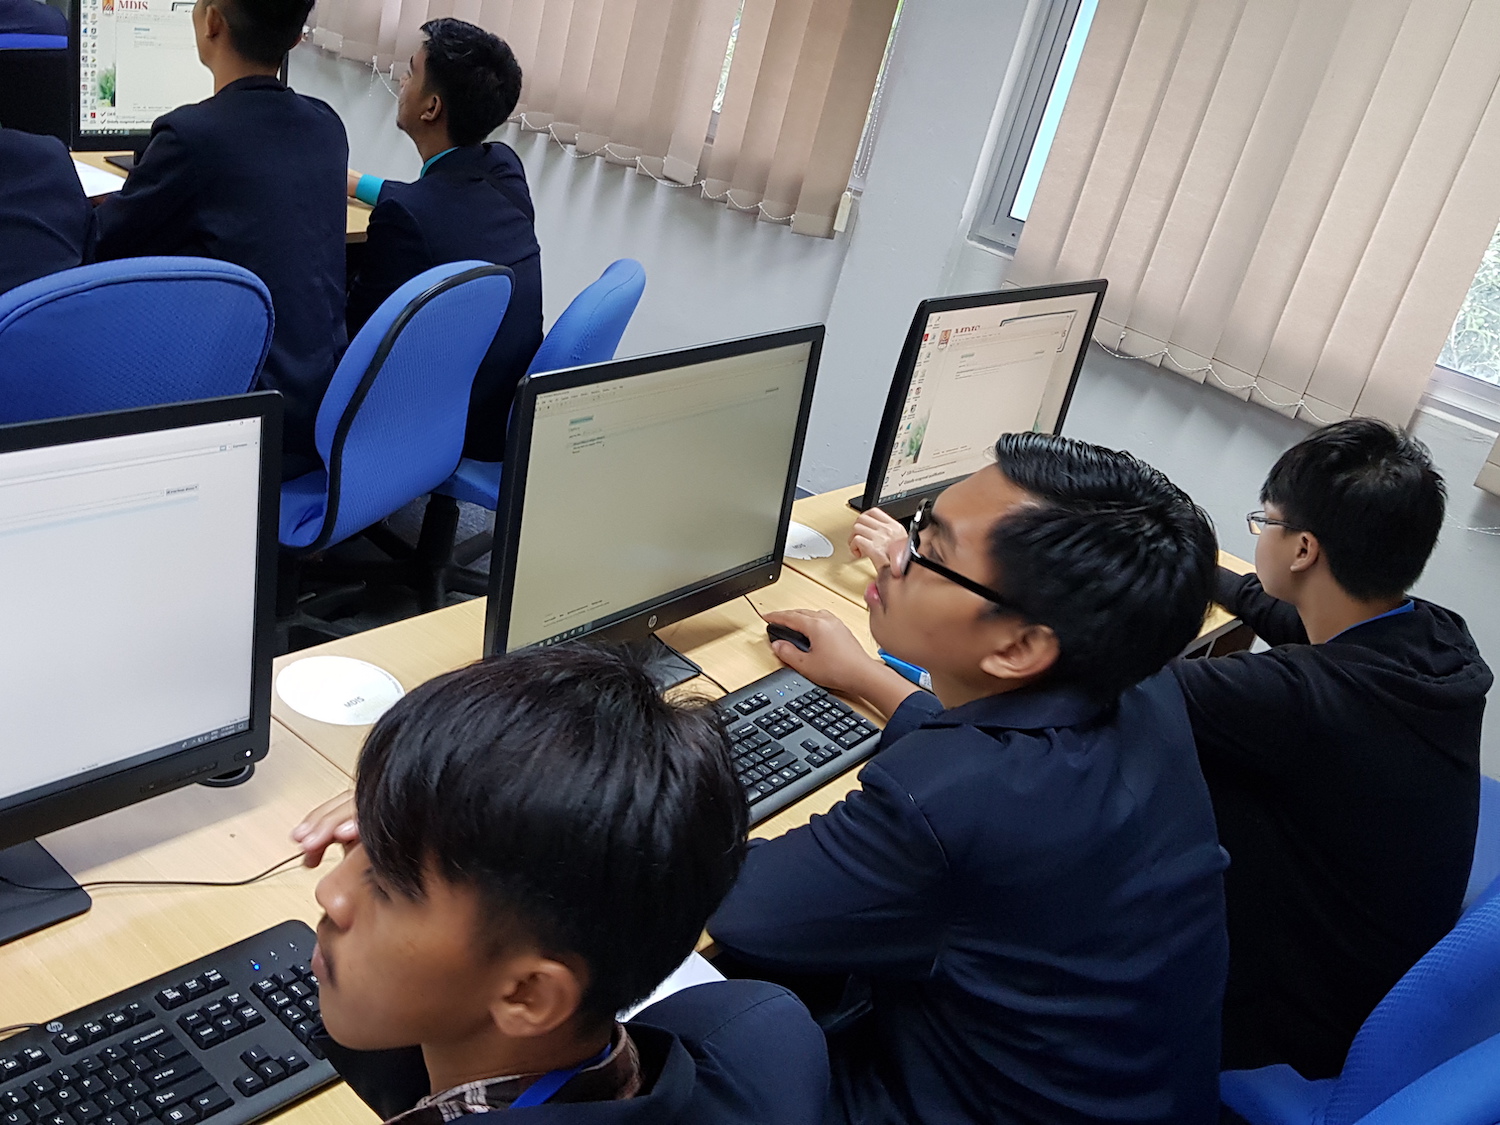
(391, 425)
(1435, 1029)
(1486, 867)
(137, 332)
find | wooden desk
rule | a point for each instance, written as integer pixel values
(830, 514)
(356, 214)
(134, 933)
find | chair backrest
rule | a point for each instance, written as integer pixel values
(1448, 1002)
(36, 72)
(138, 332)
(590, 328)
(391, 426)
(1485, 869)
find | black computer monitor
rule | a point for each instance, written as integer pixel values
(640, 492)
(973, 368)
(134, 60)
(138, 550)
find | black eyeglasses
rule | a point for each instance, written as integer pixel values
(1259, 521)
(913, 555)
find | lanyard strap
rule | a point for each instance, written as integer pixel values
(550, 1083)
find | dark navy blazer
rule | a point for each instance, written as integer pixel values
(46, 223)
(31, 17)
(472, 202)
(1031, 887)
(736, 1052)
(255, 175)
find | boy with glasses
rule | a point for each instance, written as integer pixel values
(1026, 893)
(1344, 762)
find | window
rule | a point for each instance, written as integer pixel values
(1036, 109)
(1467, 378)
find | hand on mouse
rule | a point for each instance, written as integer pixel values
(874, 534)
(332, 822)
(835, 659)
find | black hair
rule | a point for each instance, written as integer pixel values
(1370, 495)
(1114, 558)
(263, 31)
(475, 73)
(590, 815)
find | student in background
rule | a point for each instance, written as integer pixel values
(31, 17)
(1026, 892)
(470, 201)
(255, 176)
(46, 223)
(1344, 762)
(543, 839)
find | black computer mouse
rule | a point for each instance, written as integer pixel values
(790, 635)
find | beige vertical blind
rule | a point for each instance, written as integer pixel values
(635, 82)
(1289, 197)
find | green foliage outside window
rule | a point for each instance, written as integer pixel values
(1474, 345)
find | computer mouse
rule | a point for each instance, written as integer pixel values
(790, 635)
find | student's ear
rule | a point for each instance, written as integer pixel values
(1309, 551)
(214, 24)
(432, 109)
(1022, 651)
(535, 995)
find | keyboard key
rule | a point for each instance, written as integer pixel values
(87, 1066)
(115, 1074)
(54, 1119)
(13, 1099)
(93, 1031)
(305, 1030)
(170, 998)
(214, 1011)
(15, 1117)
(210, 1102)
(65, 1096)
(40, 1087)
(285, 977)
(256, 1054)
(146, 1039)
(159, 1100)
(167, 1075)
(183, 1114)
(250, 1016)
(249, 1084)
(278, 999)
(69, 1041)
(10, 1067)
(135, 1088)
(113, 1118)
(137, 1113)
(166, 1052)
(214, 980)
(206, 1036)
(41, 1107)
(194, 988)
(114, 1054)
(86, 1113)
(271, 1071)
(91, 1086)
(293, 1062)
(291, 1014)
(64, 1075)
(111, 1099)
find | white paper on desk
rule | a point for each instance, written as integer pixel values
(695, 970)
(96, 181)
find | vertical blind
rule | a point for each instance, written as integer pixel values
(635, 82)
(1289, 197)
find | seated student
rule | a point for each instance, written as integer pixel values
(1343, 763)
(471, 201)
(255, 176)
(46, 223)
(543, 837)
(1027, 890)
(31, 17)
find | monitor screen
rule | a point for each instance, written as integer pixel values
(973, 369)
(137, 59)
(648, 480)
(129, 600)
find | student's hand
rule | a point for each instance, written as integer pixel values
(332, 822)
(353, 182)
(835, 660)
(874, 533)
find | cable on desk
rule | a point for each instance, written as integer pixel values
(16, 1027)
(713, 681)
(755, 607)
(274, 869)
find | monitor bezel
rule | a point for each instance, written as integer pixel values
(890, 420)
(35, 812)
(673, 607)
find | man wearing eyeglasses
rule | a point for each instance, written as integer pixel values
(1026, 894)
(1344, 762)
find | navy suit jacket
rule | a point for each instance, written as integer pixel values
(31, 17)
(255, 175)
(46, 223)
(1031, 887)
(472, 203)
(735, 1052)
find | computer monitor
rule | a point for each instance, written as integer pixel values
(138, 550)
(973, 368)
(640, 492)
(135, 60)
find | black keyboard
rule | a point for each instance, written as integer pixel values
(790, 737)
(224, 1037)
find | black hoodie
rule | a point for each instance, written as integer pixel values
(1345, 778)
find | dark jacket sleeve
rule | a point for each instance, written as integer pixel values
(1238, 703)
(389, 1082)
(856, 890)
(147, 215)
(1276, 622)
(395, 252)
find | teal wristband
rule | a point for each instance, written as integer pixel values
(368, 189)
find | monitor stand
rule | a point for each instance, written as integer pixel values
(664, 664)
(25, 911)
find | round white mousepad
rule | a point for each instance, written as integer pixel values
(338, 689)
(802, 542)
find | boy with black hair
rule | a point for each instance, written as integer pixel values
(470, 201)
(542, 838)
(1344, 762)
(253, 175)
(1026, 892)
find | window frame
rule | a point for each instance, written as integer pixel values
(993, 227)
(1473, 399)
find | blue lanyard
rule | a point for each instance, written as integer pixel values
(1406, 607)
(550, 1083)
